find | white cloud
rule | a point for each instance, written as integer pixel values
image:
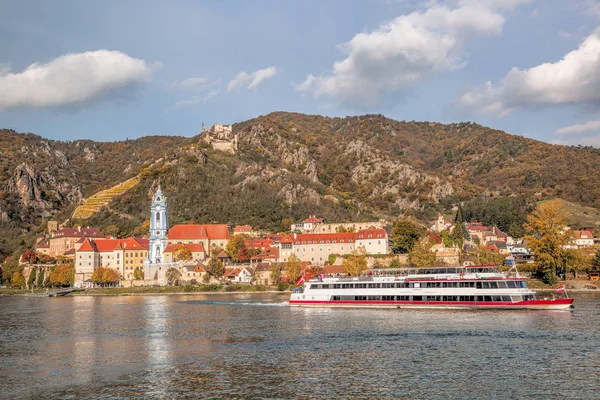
(195, 100)
(589, 126)
(196, 83)
(584, 141)
(406, 50)
(251, 81)
(575, 79)
(71, 79)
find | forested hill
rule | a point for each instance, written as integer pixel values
(286, 165)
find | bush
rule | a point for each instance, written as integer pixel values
(211, 288)
(281, 286)
(193, 282)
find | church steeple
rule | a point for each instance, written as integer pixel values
(159, 227)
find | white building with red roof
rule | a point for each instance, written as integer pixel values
(212, 236)
(375, 241)
(243, 229)
(308, 225)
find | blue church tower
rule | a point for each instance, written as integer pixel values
(159, 226)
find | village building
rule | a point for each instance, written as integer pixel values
(348, 227)
(374, 241)
(197, 251)
(122, 255)
(211, 236)
(66, 239)
(243, 229)
(583, 238)
(308, 225)
(441, 224)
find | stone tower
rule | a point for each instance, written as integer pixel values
(159, 226)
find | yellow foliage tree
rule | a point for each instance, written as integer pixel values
(293, 269)
(356, 262)
(138, 274)
(62, 275)
(421, 255)
(182, 253)
(546, 236)
(18, 280)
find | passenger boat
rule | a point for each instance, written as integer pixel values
(480, 287)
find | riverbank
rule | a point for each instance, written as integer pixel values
(161, 290)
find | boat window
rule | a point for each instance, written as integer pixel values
(478, 285)
(494, 285)
(372, 285)
(516, 298)
(510, 284)
(502, 285)
(336, 285)
(315, 286)
(479, 298)
(325, 286)
(360, 298)
(417, 298)
(496, 298)
(374, 298)
(387, 298)
(505, 298)
(402, 298)
(486, 285)
(487, 298)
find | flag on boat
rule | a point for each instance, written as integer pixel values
(300, 280)
(561, 288)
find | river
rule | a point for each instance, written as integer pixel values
(255, 346)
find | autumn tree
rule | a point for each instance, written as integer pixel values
(546, 236)
(421, 255)
(97, 275)
(293, 268)
(275, 270)
(343, 229)
(182, 253)
(215, 266)
(138, 274)
(287, 224)
(40, 278)
(29, 257)
(404, 235)
(596, 260)
(143, 229)
(356, 262)
(235, 247)
(111, 276)
(31, 278)
(481, 255)
(9, 267)
(578, 260)
(62, 275)
(17, 279)
(172, 275)
(111, 230)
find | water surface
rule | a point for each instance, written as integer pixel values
(255, 346)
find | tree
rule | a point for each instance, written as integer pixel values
(62, 275)
(356, 262)
(275, 270)
(112, 230)
(343, 229)
(143, 229)
(138, 274)
(235, 247)
(421, 255)
(97, 275)
(596, 260)
(9, 267)
(287, 224)
(579, 260)
(481, 255)
(215, 266)
(110, 276)
(404, 235)
(182, 253)
(516, 230)
(459, 233)
(448, 242)
(40, 278)
(17, 279)
(29, 257)
(172, 275)
(293, 268)
(546, 237)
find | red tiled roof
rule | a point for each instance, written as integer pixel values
(287, 239)
(195, 231)
(312, 218)
(477, 227)
(583, 234)
(78, 232)
(199, 268)
(43, 245)
(270, 252)
(70, 251)
(192, 247)
(333, 269)
(310, 238)
(87, 246)
(242, 229)
(108, 245)
(232, 271)
(259, 243)
(371, 233)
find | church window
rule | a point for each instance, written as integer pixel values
(157, 217)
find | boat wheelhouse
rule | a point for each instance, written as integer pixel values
(480, 287)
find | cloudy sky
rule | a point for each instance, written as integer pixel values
(112, 70)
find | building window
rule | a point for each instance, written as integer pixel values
(157, 217)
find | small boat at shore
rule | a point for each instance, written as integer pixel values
(476, 287)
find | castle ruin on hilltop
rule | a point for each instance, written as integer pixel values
(221, 137)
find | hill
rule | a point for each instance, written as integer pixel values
(286, 165)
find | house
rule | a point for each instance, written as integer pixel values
(239, 274)
(43, 248)
(189, 272)
(242, 229)
(211, 236)
(441, 225)
(308, 225)
(348, 227)
(262, 274)
(122, 255)
(583, 238)
(374, 241)
(65, 239)
(268, 255)
(316, 247)
(196, 249)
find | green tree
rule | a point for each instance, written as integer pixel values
(546, 237)
(356, 262)
(516, 230)
(448, 242)
(138, 274)
(275, 270)
(40, 278)
(293, 269)
(421, 255)
(9, 267)
(31, 278)
(173, 275)
(481, 255)
(112, 230)
(404, 235)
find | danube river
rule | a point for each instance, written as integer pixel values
(255, 346)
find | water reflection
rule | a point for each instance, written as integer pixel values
(254, 346)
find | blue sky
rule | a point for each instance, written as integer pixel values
(122, 69)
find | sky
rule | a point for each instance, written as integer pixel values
(113, 70)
